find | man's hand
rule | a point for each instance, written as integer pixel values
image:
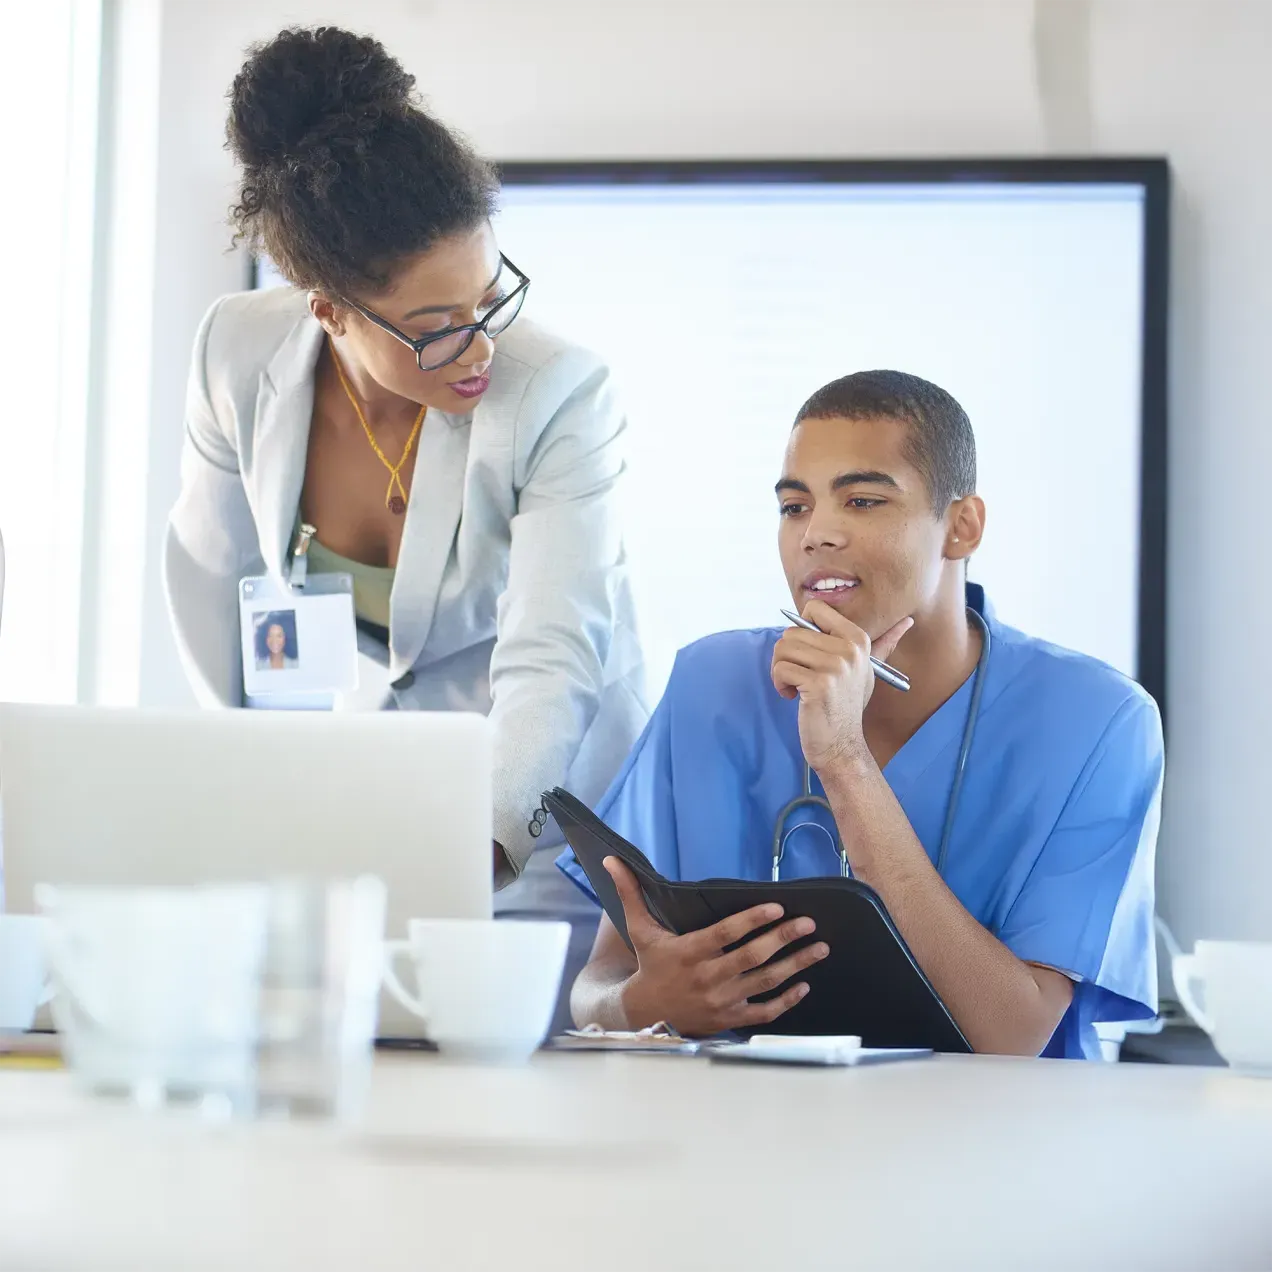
(692, 984)
(830, 672)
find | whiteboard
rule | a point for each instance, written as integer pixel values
(721, 306)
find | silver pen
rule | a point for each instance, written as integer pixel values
(889, 675)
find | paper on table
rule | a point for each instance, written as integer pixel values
(30, 1051)
(18, 1060)
(659, 1037)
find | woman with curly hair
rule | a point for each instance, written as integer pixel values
(275, 640)
(460, 463)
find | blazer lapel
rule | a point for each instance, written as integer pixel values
(432, 520)
(284, 411)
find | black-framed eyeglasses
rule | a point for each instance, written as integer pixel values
(440, 348)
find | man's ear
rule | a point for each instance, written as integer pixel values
(964, 527)
(332, 317)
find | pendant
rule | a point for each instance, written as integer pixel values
(397, 505)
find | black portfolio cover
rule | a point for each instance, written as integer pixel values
(869, 984)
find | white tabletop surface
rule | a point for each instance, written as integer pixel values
(647, 1162)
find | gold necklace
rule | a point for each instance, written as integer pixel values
(395, 503)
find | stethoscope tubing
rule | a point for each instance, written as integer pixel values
(781, 832)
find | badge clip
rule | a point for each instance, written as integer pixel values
(300, 557)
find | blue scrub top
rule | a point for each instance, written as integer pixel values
(1053, 845)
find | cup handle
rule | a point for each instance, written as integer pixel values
(46, 899)
(392, 951)
(1184, 971)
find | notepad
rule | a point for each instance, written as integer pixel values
(34, 1050)
(869, 985)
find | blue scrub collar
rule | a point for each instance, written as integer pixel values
(977, 600)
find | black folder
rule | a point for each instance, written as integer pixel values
(869, 984)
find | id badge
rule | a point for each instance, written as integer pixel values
(300, 645)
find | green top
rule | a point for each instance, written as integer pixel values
(372, 584)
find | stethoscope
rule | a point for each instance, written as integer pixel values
(781, 833)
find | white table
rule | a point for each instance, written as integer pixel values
(649, 1162)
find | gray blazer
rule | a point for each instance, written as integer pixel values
(511, 595)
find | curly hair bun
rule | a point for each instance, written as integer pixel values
(305, 89)
(343, 173)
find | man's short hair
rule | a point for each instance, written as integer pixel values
(939, 440)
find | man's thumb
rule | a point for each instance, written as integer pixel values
(883, 647)
(641, 925)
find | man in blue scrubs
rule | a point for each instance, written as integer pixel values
(1039, 922)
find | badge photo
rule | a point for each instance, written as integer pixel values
(298, 640)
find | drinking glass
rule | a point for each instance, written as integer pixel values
(254, 999)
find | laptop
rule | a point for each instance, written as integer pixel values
(123, 796)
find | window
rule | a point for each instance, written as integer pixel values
(52, 85)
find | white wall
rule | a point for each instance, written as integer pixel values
(661, 78)
(1191, 80)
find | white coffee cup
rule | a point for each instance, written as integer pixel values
(1236, 978)
(24, 978)
(487, 990)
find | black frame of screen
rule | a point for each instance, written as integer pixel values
(1151, 174)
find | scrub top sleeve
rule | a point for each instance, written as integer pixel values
(1087, 906)
(639, 804)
